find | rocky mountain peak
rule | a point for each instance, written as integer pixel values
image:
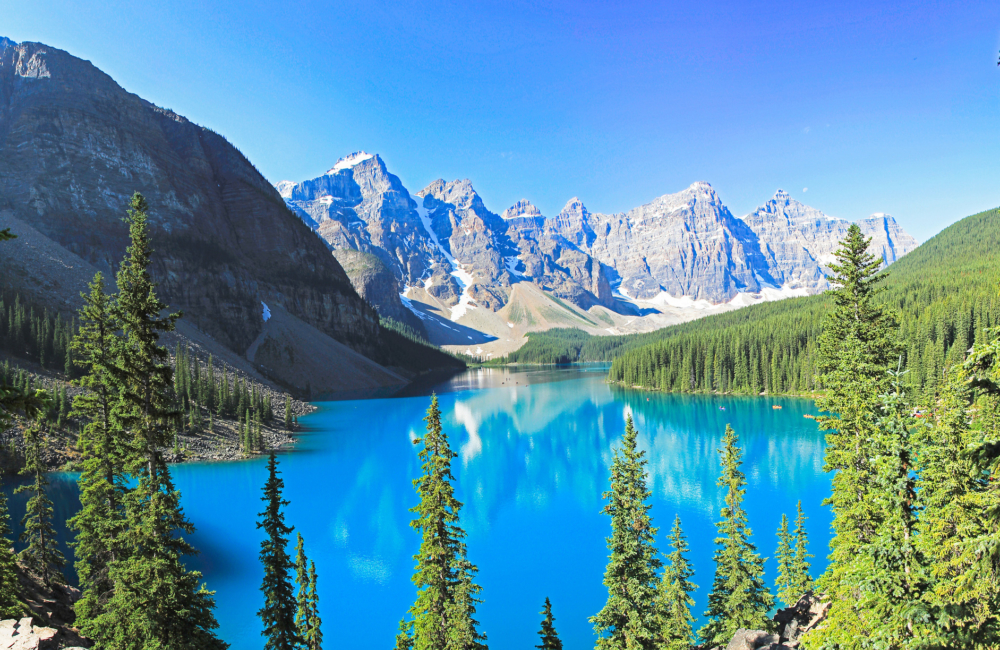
(574, 209)
(5, 43)
(349, 162)
(458, 193)
(523, 208)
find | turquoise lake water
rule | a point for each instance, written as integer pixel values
(534, 449)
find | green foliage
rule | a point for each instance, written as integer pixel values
(155, 601)
(944, 294)
(958, 530)
(279, 610)
(10, 600)
(547, 634)
(800, 581)
(442, 617)
(556, 346)
(628, 618)
(857, 348)
(307, 620)
(673, 598)
(739, 597)
(104, 449)
(786, 558)
(42, 554)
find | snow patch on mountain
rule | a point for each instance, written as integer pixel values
(349, 162)
(464, 278)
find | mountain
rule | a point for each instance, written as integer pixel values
(798, 241)
(681, 256)
(74, 146)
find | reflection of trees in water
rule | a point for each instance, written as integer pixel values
(528, 445)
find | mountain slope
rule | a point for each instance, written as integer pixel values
(74, 146)
(945, 293)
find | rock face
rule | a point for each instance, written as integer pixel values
(798, 242)
(375, 282)
(74, 146)
(685, 245)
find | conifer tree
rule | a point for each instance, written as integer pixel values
(104, 450)
(42, 554)
(288, 413)
(739, 596)
(959, 489)
(549, 637)
(314, 634)
(404, 635)
(10, 601)
(856, 349)
(442, 616)
(801, 582)
(302, 613)
(278, 612)
(628, 619)
(786, 559)
(673, 598)
(157, 602)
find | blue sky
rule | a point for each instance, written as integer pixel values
(873, 106)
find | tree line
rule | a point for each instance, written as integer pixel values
(943, 296)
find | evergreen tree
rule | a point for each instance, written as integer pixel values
(278, 612)
(786, 560)
(673, 598)
(628, 618)
(156, 602)
(288, 413)
(958, 489)
(42, 554)
(303, 615)
(801, 582)
(442, 616)
(547, 634)
(739, 597)
(404, 636)
(890, 582)
(10, 600)
(314, 635)
(104, 450)
(856, 349)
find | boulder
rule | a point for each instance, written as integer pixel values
(22, 635)
(754, 639)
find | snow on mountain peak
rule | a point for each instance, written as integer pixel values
(285, 188)
(349, 162)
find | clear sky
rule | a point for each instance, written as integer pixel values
(873, 106)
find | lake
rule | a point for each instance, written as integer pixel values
(534, 448)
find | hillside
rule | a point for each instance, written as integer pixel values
(75, 146)
(945, 293)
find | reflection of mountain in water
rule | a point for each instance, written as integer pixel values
(522, 446)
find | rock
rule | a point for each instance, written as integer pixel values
(752, 640)
(805, 615)
(22, 635)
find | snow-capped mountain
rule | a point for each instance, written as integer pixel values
(685, 248)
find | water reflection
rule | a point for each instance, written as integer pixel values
(534, 450)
